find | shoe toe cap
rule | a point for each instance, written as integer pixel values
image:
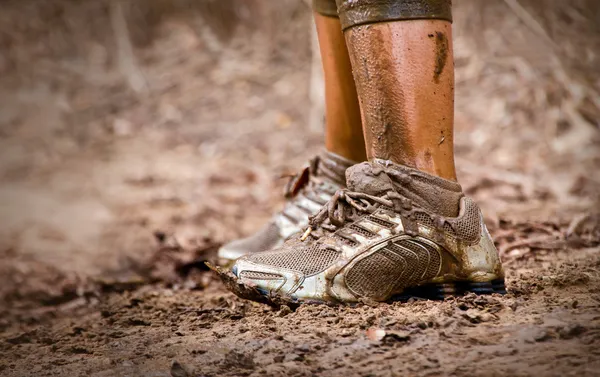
(267, 279)
(230, 252)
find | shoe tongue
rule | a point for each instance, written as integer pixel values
(429, 192)
(368, 179)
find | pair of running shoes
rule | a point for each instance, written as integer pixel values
(372, 231)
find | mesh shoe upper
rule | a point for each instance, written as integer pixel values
(307, 192)
(380, 240)
(307, 258)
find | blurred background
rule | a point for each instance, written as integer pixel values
(128, 125)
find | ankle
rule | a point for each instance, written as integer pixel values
(443, 169)
(436, 194)
(427, 163)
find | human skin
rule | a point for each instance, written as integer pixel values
(404, 74)
(343, 125)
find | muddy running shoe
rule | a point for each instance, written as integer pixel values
(394, 233)
(306, 192)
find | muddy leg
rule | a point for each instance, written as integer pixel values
(343, 131)
(401, 53)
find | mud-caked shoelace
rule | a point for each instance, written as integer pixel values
(346, 205)
(308, 184)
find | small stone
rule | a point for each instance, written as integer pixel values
(542, 336)
(472, 317)
(178, 370)
(396, 336)
(122, 127)
(487, 317)
(82, 350)
(106, 313)
(77, 330)
(422, 325)
(303, 348)
(388, 322)
(293, 357)
(20, 339)
(533, 335)
(571, 331)
(284, 310)
(375, 334)
(278, 358)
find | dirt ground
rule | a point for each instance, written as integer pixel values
(111, 199)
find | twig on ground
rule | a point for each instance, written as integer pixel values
(576, 224)
(542, 242)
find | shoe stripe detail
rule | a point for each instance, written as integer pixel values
(347, 239)
(434, 263)
(396, 266)
(311, 205)
(260, 275)
(428, 259)
(302, 208)
(290, 217)
(413, 274)
(422, 255)
(398, 259)
(362, 231)
(381, 222)
(374, 276)
(316, 199)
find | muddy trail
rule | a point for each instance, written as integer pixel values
(117, 184)
(548, 324)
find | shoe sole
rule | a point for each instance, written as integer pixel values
(437, 291)
(434, 292)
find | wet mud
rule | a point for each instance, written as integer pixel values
(547, 325)
(441, 54)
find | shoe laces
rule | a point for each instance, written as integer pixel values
(308, 179)
(346, 205)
